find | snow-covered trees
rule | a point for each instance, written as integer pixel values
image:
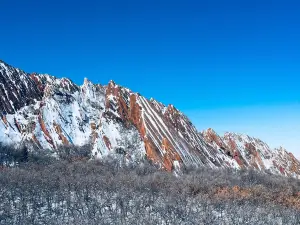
(97, 192)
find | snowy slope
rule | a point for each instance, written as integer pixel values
(49, 112)
(253, 153)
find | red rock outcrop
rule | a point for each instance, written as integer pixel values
(169, 155)
(130, 111)
(35, 140)
(3, 117)
(45, 131)
(107, 142)
(36, 79)
(94, 134)
(59, 131)
(256, 160)
(295, 165)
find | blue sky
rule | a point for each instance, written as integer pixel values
(229, 65)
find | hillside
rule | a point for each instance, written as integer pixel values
(45, 112)
(97, 192)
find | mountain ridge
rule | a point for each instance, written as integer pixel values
(49, 112)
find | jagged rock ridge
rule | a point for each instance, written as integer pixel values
(49, 112)
(253, 153)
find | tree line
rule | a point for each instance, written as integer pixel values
(43, 190)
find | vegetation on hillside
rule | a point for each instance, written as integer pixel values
(38, 189)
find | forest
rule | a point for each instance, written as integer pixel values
(72, 188)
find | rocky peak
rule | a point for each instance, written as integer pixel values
(111, 82)
(88, 84)
(212, 137)
(17, 89)
(59, 84)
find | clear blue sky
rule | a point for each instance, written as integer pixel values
(230, 65)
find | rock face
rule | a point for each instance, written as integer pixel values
(253, 153)
(49, 112)
(17, 89)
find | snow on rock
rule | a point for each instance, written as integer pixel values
(50, 112)
(17, 89)
(250, 152)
